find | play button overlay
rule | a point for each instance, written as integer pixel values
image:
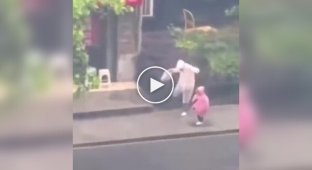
(155, 85)
(151, 88)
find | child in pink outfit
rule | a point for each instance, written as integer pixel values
(247, 118)
(201, 104)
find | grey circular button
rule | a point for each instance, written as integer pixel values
(157, 91)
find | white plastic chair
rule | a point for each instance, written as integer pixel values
(104, 77)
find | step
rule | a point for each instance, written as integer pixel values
(121, 111)
(101, 103)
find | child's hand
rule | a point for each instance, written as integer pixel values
(194, 98)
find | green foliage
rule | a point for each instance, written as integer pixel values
(220, 49)
(189, 42)
(93, 78)
(36, 76)
(13, 39)
(22, 74)
(82, 9)
(279, 31)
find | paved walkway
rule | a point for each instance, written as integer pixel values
(280, 145)
(156, 125)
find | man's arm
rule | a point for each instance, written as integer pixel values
(173, 70)
(195, 70)
(166, 77)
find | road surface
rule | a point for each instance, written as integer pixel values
(219, 152)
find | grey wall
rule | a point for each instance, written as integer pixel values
(128, 38)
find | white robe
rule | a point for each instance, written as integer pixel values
(186, 83)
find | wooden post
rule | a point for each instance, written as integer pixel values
(139, 29)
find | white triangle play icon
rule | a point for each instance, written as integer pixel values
(154, 85)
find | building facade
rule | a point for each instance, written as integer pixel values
(114, 42)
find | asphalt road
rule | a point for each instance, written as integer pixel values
(220, 152)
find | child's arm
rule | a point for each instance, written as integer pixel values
(194, 98)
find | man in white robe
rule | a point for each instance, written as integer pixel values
(186, 83)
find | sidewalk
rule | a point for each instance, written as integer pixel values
(152, 126)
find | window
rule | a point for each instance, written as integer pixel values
(148, 8)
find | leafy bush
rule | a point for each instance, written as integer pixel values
(21, 73)
(92, 78)
(219, 49)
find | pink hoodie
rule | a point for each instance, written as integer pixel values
(202, 104)
(247, 118)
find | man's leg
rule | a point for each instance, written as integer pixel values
(185, 109)
(187, 95)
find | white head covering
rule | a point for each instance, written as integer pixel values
(179, 67)
(180, 64)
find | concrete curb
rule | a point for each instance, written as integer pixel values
(141, 109)
(30, 141)
(156, 138)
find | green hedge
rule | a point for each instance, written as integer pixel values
(219, 50)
